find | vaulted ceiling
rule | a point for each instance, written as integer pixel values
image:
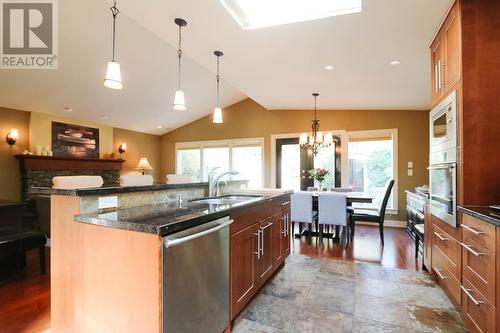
(278, 67)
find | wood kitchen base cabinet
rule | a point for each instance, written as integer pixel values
(260, 243)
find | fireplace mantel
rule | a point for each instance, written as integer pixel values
(33, 162)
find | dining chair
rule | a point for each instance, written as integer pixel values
(341, 189)
(332, 211)
(302, 209)
(372, 216)
(312, 189)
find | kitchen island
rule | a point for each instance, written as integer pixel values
(109, 266)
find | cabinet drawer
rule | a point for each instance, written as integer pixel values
(478, 312)
(479, 268)
(479, 231)
(450, 248)
(446, 279)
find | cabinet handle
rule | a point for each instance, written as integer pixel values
(440, 82)
(262, 237)
(469, 248)
(436, 78)
(471, 229)
(468, 293)
(440, 237)
(438, 272)
(285, 225)
(258, 243)
(285, 203)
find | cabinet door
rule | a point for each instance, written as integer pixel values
(285, 235)
(451, 39)
(427, 238)
(278, 227)
(437, 69)
(265, 260)
(243, 267)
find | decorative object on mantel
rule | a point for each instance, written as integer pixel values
(217, 119)
(179, 100)
(122, 148)
(113, 78)
(316, 141)
(74, 141)
(143, 165)
(12, 136)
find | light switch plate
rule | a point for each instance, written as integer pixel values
(410, 172)
(410, 164)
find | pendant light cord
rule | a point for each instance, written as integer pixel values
(114, 12)
(218, 79)
(315, 118)
(179, 54)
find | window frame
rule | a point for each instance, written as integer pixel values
(377, 134)
(229, 143)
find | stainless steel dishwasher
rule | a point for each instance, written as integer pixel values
(196, 279)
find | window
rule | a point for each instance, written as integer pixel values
(197, 159)
(188, 163)
(325, 159)
(372, 163)
(252, 14)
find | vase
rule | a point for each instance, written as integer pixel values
(320, 186)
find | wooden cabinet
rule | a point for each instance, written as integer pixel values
(259, 246)
(243, 267)
(446, 56)
(478, 313)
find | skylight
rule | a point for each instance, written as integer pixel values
(254, 14)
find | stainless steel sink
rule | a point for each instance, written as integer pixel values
(226, 199)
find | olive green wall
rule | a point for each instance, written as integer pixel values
(248, 119)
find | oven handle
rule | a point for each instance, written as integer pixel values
(174, 242)
(441, 167)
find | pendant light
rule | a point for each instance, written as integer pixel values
(179, 101)
(113, 78)
(316, 140)
(217, 119)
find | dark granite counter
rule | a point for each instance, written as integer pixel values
(482, 213)
(167, 218)
(108, 190)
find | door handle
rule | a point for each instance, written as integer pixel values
(440, 237)
(471, 229)
(471, 250)
(258, 243)
(468, 293)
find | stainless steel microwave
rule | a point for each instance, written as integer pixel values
(443, 130)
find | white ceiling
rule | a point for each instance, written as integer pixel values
(278, 67)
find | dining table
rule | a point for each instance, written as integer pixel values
(352, 197)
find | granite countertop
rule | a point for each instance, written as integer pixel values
(482, 213)
(113, 189)
(170, 217)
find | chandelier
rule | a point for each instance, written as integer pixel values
(316, 140)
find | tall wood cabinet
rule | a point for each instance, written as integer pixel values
(260, 243)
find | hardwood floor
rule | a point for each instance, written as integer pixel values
(25, 298)
(398, 252)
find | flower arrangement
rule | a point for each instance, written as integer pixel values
(318, 174)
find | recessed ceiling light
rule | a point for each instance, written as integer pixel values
(253, 14)
(328, 67)
(103, 117)
(395, 63)
(67, 109)
(159, 126)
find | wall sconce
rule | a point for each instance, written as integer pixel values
(122, 148)
(12, 136)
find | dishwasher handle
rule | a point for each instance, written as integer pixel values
(178, 241)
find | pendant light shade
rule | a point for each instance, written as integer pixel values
(217, 116)
(179, 100)
(113, 78)
(217, 119)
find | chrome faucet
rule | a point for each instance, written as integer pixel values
(213, 182)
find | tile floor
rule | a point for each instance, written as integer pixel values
(327, 295)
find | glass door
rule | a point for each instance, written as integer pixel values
(293, 164)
